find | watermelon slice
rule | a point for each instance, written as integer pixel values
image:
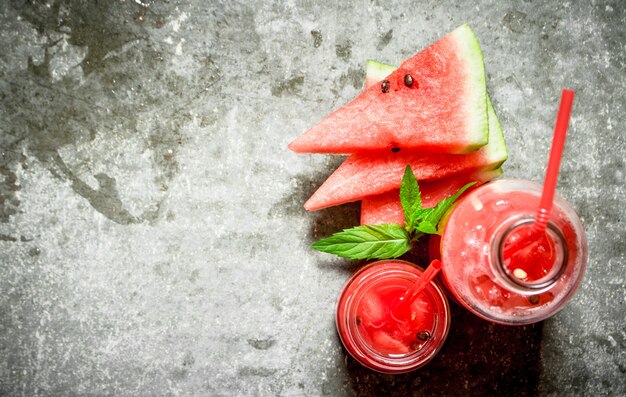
(363, 175)
(386, 207)
(444, 110)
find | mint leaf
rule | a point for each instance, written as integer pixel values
(422, 214)
(367, 242)
(427, 227)
(434, 216)
(410, 198)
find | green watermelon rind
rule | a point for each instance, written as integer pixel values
(495, 150)
(492, 174)
(377, 70)
(473, 54)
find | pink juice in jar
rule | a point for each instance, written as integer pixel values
(509, 287)
(385, 341)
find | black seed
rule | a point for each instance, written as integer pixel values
(408, 80)
(385, 86)
(415, 345)
(534, 299)
(395, 149)
(423, 335)
(358, 320)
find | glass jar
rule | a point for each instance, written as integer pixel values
(504, 285)
(374, 335)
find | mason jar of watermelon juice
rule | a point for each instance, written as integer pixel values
(374, 334)
(507, 285)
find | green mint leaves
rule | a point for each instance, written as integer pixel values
(433, 215)
(391, 240)
(367, 242)
(410, 199)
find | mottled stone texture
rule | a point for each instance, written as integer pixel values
(152, 236)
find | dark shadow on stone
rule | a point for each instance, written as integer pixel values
(347, 266)
(105, 199)
(100, 26)
(384, 40)
(292, 86)
(353, 77)
(261, 344)
(292, 204)
(332, 220)
(317, 37)
(478, 359)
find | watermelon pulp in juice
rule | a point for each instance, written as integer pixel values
(527, 286)
(535, 260)
(384, 332)
(386, 342)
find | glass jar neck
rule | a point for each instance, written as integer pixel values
(544, 254)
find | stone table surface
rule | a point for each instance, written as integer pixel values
(152, 235)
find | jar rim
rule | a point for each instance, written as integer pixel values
(361, 350)
(515, 283)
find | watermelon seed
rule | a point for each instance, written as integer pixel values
(423, 335)
(408, 80)
(385, 86)
(358, 320)
(415, 345)
(395, 149)
(534, 299)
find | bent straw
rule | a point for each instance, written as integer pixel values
(405, 301)
(552, 175)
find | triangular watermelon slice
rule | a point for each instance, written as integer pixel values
(363, 175)
(386, 207)
(444, 110)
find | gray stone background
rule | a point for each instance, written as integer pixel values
(152, 236)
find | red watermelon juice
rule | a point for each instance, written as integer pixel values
(505, 285)
(387, 340)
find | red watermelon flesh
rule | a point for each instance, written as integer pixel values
(445, 110)
(386, 207)
(364, 175)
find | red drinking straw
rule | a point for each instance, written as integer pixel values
(554, 161)
(552, 176)
(401, 308)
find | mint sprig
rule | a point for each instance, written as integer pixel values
(391, 240)
(367, 242)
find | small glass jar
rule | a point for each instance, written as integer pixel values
(373, 335)
(504, 285)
